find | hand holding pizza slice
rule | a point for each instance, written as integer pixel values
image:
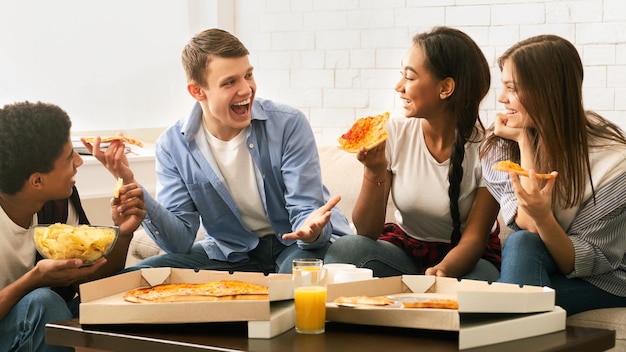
(509, 166)
(366, 132)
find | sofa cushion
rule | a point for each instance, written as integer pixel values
(142, 246)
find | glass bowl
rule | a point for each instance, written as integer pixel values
(61, 241)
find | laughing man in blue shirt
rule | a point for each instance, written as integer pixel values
(246, 169)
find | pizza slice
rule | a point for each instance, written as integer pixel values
(366, 132)
(441, 303)
(116, 138)
(210, 291)
(508, 166)
(363, 301)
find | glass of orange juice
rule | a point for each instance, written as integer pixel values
(309, 295)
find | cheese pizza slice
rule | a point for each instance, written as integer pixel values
(116, 138)
(363, 301)
(366, 132)
(509, 166)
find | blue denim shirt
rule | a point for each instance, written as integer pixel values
(189, 190)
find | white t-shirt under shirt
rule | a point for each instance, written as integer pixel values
(420, 183)
(236, 166)
(17, 252)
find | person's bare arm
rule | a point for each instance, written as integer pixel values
(370, 209)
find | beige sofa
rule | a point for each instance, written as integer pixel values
(342, 174)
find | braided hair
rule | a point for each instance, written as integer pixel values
(452, 53)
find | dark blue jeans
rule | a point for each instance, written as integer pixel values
(270, 256)
(23, 328)
(386, 259)
(526, 261)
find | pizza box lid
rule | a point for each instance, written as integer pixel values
(480, 304)
(102, 300)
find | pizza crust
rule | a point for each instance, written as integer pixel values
(367, 132)
(509, 166)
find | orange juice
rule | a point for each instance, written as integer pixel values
(310, 304)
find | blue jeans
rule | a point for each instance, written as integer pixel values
(23, 328)
(526, 261)
(386, 259)
(270, 256)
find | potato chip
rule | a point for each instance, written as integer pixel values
(118, 185)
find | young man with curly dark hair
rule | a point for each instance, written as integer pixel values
(37, 168)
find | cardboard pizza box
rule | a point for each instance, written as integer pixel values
(282, 318)
(487, 314)
(102, 300)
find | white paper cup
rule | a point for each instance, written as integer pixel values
(332, 268)
(354, 274)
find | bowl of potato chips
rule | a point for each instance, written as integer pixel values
(61, 241)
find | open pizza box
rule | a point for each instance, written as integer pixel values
(487, 313)
(102, 300)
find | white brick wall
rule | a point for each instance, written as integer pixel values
(338, 60)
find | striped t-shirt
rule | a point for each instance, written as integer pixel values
(597, 228)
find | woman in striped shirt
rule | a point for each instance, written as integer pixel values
(570, 231)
